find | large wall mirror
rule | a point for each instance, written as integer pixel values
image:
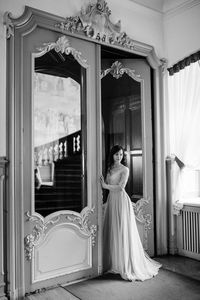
(58, 134)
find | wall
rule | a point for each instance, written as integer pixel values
(174, 39)
(142, 24)
(181, 32)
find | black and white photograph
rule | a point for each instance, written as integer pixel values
(99, 150)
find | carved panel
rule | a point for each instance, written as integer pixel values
(64, 250)
(43, 225)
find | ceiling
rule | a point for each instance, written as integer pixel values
(163, 6)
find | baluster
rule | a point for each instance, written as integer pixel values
(45, 157)
(74, 144)
(65, 148)
(56, 152)
(40, 157)
(61, 151)
(50, 154)
(78, 143)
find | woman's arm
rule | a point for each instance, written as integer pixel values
(116, 187)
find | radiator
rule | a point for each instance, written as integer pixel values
(188, 231)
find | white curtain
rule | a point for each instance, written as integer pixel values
(184, 120)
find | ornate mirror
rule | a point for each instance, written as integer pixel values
(58, 130)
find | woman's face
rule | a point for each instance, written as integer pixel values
(117, 157)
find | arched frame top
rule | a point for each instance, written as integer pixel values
(93, 23)
(62, 45)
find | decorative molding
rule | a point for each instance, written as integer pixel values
(181, 8)
(9, 25)
(63, 45)
(81, 221)
(164, 64)
(142, 217)
(175, 9)
(150, 6)
(94, 22)
(33, 239)
(177, 207)
(117, 70)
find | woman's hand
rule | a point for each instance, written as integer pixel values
(102, 181)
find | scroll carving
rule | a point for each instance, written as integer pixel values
(62, 45)
(9, 25)
(82, 221)
(33, 239)
(142, 217)
(94, 22)
(163, 65)
(117, 70)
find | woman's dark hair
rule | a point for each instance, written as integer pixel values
(114, 150)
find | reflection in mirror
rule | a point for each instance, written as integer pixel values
(122, 124)
(58, 134)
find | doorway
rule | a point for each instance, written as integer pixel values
(126, 120)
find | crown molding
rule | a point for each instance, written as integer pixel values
(181, 8)
(176, 9)
(154, 9)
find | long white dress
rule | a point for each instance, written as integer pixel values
(123, 251)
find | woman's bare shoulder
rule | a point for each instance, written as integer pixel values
(125, 169)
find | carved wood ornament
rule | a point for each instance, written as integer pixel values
(62, 45)
(94, 22)
(80, 221)
(117, 70)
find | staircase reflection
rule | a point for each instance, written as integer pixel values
(63, 191)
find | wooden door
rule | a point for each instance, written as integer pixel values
(127, 121)
(57, 237)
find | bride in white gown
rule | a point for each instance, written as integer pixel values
(123, 250)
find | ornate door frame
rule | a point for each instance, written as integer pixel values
(139, 71)
(88, 27)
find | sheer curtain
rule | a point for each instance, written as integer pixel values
(184, 121)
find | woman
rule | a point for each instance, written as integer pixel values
(123, 250)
